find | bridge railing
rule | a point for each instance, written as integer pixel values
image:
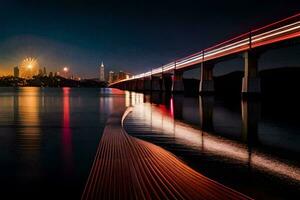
(277, 31)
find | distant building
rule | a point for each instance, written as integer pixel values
(51, 74)
(44, 71)
(102, 75)
(111, 77)
(121, 75)
(16, 72)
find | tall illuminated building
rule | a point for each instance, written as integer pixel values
(111, 75)
(44, 71)
(102, 75)
(16, 72)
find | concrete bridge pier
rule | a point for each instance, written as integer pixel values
(251, 80)
(177, 82)
(166, 82)
(206, 105)
(163, 83)
(147, 83)
(206, 78)
(126, 85)
(132, 85)
(140, 84)
(155, 83)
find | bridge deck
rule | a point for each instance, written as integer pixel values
(129, 168)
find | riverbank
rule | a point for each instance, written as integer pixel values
(49, 81)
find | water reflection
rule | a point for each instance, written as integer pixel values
(174, 127)
(206, 105)
(66, 132)
(28, 137)
(177, 102)
(250, 119)
(49, 137)
(27, 115)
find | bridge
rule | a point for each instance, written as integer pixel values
(250, 44)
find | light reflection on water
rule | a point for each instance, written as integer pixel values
(28, 119)
(49, 137)
(28, 139)
(66, 132)
(164, 122)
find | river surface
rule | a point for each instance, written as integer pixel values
(250, 145)
(49, 137)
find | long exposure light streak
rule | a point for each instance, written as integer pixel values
(192, 137)
(129, 168)
(285, 29)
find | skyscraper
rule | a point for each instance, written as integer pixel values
(16, 72)
(44, 72)
(102, 76)
(111, 76)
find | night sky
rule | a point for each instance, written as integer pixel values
(132, 36)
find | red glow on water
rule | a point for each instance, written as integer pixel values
(163, 109)
(66, 109)
(116, 91)
(172, 107)
(67, 135)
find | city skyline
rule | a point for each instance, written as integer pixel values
(19, 71)
(10, 71)
(39, 69)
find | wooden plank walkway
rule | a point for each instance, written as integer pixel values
(129, 168)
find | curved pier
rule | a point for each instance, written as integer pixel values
(129, 168)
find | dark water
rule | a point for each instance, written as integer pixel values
(48, 139)
(250, 145)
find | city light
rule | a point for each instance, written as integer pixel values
(66, 69)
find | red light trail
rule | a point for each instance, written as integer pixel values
(285, 29)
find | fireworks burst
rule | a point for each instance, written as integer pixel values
(29, 67)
